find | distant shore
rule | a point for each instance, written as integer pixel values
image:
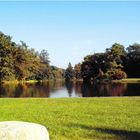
(29, 81)
(127, 80)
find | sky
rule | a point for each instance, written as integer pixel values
(71, 30)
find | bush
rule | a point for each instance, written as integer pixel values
(119, 74)
(116, 74)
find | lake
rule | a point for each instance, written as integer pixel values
(60, 89)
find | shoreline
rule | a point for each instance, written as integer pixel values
(29, 81)
(127, 80)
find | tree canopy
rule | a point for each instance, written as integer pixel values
(115, 63)
(19, 62)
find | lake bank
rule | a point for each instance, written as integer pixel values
(127, 80)
(78, 118)
(29, 81)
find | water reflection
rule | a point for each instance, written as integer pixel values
(89, 90)
(69, 86)
(69, 89)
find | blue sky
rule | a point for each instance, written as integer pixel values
(71, 30)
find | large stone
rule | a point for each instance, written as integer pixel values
(16, 130)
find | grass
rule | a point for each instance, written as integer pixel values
(128, 80)
(78, 118)
(29, 81)
(16, 81)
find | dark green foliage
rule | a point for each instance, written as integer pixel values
(104, 65)
(18, 62)
(44, 56)
(6, 58)
(26, 62)
(95, 66)
(132, 61)
(77, 71)
(57, 73)
(115, 63)
(116, 74)
(69, 73)
(117, 50)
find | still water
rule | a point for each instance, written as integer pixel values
(61, 89)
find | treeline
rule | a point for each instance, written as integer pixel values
(115, 63)
(19, 62)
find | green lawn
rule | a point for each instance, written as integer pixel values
(127, 80)
(79, 118)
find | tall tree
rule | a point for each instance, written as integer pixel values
(104, 65)
(69, 73)
(6, 57)
(116, 54)
(94, 66)
(132, 61)
(44, 56)
(57, 73)
(77, 71)
(44, 68)
(26, 62)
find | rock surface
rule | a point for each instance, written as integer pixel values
(16, 130)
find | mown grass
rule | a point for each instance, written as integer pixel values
(29, 81)
(78, 118)
(127, 80)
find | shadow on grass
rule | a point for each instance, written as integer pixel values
(120, 134)
(128, 135)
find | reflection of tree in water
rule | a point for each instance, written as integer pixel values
(89, 90)
(117, 89)
(56, 85)
(27, 90)
(133, 89)
(92, 90)
(41, 89)
(7, 90)
(2, 91)
(69, 86)
(44, 89)
(22, 90)
(19, 90)
(77, 87)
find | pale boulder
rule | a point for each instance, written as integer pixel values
(16, 130)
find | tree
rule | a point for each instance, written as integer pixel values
(69, 73)
(18, 61)
(135, 48)
(6, 57)
(104, 65)
(117, 50)
(132, 60)
(26, 62)
(56, 73)
(115, 55)
(77, 71)
(44, 72)
(94, 66)
(44, 56)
